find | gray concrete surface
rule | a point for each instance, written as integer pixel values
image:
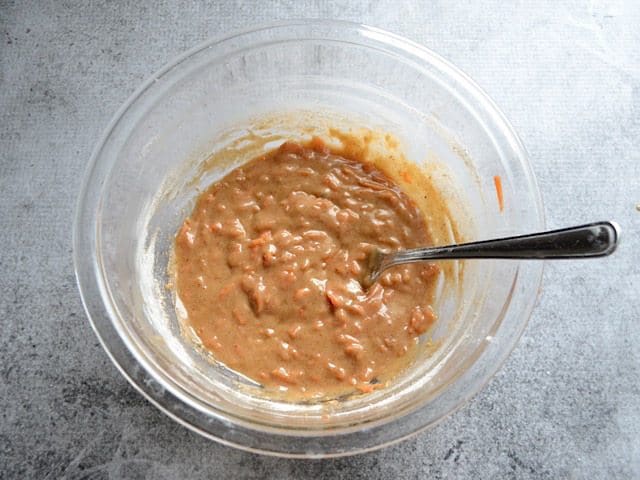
(566, 404)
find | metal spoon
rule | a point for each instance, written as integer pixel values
(591, 240)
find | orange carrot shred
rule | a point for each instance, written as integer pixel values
(365, 388)
(498, 183)
(224, 291)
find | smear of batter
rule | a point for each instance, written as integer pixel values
(267, 263)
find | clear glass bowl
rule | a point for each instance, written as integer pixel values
(146, 171)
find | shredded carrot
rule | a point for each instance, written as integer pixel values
(225, 291)
(406, 176)
(365, 388)
(238, 317)
(264, 238)
(368, 387)
(498, 183)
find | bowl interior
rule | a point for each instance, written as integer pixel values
(250, 92)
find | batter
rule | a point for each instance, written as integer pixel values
(267, 264)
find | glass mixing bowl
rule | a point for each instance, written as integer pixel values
(147, 170)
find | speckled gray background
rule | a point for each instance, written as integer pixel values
(566, 404)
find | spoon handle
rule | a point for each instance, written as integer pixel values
(590, 240)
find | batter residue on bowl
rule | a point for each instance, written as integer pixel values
(266, 267)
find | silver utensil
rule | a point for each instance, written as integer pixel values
(591, 240)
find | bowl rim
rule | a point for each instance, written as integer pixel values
(92, 293)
